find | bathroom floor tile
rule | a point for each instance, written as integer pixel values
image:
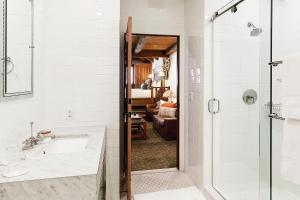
(190, 193)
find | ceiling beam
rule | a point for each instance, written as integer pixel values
(140, 45)
(172, 49)
(150, 54)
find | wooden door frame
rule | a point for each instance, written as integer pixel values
(122, 82)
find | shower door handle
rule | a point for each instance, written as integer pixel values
(218, 103)
(209, 105)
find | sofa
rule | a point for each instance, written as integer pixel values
(166, 127)
(151, 110)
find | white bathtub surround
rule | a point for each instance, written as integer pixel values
(59, 170)
(191, 193)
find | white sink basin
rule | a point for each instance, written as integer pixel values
(60, 145)
(67, 145)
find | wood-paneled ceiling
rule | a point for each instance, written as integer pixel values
(146, 48)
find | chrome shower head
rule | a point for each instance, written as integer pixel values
(255, 31)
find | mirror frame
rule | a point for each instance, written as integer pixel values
(3, 86)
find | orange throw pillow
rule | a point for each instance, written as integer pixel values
(169, 105)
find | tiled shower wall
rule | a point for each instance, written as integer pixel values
(286, 43)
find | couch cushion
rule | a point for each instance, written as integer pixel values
(159, 121)
(169, 105)
(167, 112)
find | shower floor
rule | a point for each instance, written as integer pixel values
(278, 194)
(246, 184)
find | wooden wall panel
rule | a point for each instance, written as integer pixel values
(141, 73)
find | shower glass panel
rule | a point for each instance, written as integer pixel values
(236, 92)
(286, 133)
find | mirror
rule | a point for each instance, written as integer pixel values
(18, 48)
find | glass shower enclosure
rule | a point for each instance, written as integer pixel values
(251, 40)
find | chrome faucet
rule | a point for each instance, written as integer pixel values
(32, 141)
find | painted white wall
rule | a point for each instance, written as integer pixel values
(164, 17)
(16, 114)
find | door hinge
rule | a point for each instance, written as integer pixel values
(127, 114)
(276, 116)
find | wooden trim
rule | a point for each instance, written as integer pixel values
(171, 50)
(151, 54)
(129, 106)
(142, 101)
(140, 45)
(178, 101)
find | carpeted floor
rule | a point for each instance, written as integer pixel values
(153, 153)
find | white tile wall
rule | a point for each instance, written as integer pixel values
(76, 70)
(82, 71)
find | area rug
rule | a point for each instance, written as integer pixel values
(154, 152)
(190, 193)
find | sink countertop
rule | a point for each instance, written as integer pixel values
(65, 164)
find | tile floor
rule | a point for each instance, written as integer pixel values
(158, 181)
(189, 193)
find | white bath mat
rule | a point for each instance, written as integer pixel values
(190, 193)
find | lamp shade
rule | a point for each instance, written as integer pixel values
(169, 94)
(150, 76)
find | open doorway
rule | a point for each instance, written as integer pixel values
(155, 102)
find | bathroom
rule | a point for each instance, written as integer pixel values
(234, 117)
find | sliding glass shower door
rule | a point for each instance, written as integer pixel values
(236, 89)
(241, 92)
(256, 100)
